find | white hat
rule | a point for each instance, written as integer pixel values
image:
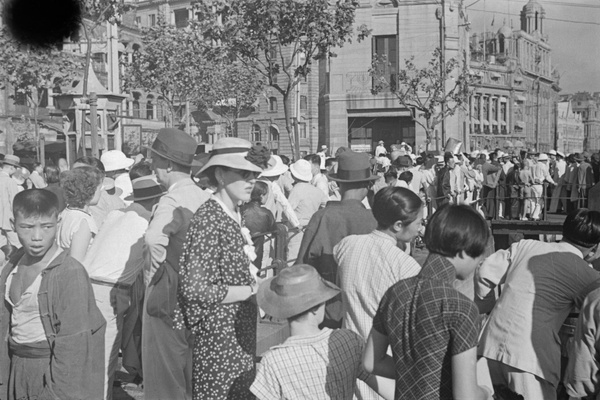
(275, 167)
(560, 153)
(323, 146)
(115, 160)
(301, 170)
(543, 157)
(552, 152)
(500, 154)
(475, 153)
(439, 159)
(232, 153)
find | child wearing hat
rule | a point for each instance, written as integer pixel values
(312, 363)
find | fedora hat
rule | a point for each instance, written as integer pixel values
(115, 160)
(275, 167)
(12, 160)
(301, 170)
(353, 167)
(294, 290)
(174, 145)
(233, 153)
(198, 162)
(578, 157)
(144, 188)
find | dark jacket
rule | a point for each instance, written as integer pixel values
(74, 328)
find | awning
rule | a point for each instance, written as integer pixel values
(502, 122)
(518, 79)
(475, 121)
(520, 124)
(485, 122)
(503, 100)
(520, 98)
(373, 114)
(496, 75)
(494, 122)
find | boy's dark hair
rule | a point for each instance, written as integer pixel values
(456, 228)
(448, 156)
(313, 159)
(393, 204)
(35, 202)
(406, 176)
(91, 161)
(285, 159)
(582, 227)
(330, 161)
(52, 173)
(140, 169)
(392, 172)
(260, 189)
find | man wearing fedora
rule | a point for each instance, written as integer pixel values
(114, 262)
(167, 352)
(312, 363)
(339, 219)
(8, 191)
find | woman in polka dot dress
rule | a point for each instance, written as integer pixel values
(216, 281)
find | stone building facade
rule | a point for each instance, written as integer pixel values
(570, 137)
(588, 106)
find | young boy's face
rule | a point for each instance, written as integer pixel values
(36, 232)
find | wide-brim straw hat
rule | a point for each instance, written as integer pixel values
(275, 167)
(145, 188)
(231, 152)
(12, 160)
(293, 291)
(174, 145)
(301, 170)
(353, 167)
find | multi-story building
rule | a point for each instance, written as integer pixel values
(265, 124)
(400, 29)
(569, 129)
(516, 98)
(588, 106)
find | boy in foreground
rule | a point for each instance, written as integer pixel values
(312, 363)
(52, 331)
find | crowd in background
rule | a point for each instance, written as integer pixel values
(166, 260)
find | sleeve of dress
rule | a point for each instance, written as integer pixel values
(288, 210)
(200, 263)
(583, 370)
(265, 385)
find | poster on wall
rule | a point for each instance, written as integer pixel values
(132, 139)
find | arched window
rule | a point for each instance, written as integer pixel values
(255, 135)
(136, 105)
(150, 107)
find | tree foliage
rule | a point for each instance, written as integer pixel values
(279, 37)
(431, 93)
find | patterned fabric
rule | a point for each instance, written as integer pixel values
(322, 366)
(212, 260)
(427, 322)
(367, 266)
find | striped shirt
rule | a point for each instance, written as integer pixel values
(322, 366)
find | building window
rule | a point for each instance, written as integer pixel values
(302, 131)
(273, 104)
(20, 98)
(136, 105)
(43, 97)
(181, 17)
(160, 110)
(385, 46)
(303, 103)
(150, 108)
(151, 19)
(138, 21)
(255, 133)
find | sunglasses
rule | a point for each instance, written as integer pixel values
(246, 175)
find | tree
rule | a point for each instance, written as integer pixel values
(273, 37)
(31, 71)
(431, 93)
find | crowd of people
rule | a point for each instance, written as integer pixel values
(166, 260)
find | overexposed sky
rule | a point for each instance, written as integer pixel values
(575, 45)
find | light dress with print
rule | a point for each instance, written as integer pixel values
(213, 259)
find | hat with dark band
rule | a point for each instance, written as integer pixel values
(12, 160)
(293, 291)
(174, 145)
(353, 167)
(145, 188)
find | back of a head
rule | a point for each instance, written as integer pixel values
(582, 228)
(393, 204)
(313, 159)
(260, 189)
(35, 202)
(140, 169)
(457, 228)
(80, 185)
(448, 156)
(91, 161)
(406, 176)
(52, 173)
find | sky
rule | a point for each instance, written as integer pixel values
(575, 45)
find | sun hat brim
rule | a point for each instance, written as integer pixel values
(13, 163)
(123, 164)
(285, 307)
(277, 170)
(296, 174)
(132, 197)
(232, 160)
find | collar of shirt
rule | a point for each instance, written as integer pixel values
(384, 236)
(234, 216)
(570, 248)
(438, 267)
(2, 173)
(304, 340)
(346, 203)
(181, 183)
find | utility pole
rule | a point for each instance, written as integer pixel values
(94, 128)
(442, 18)
(538, 59)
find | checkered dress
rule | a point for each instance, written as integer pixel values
(323, 366)
(427, 322)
